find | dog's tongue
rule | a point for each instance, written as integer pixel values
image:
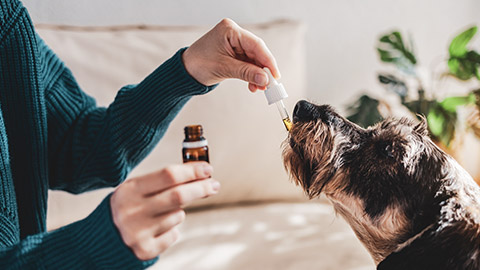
(276, 93)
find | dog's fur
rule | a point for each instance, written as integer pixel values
(409, 203)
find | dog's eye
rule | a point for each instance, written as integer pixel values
(388, 150)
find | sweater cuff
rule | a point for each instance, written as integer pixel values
(103, 244)
(172, 74)
(184, 72)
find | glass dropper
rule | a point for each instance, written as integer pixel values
(276, 93)
(284, 114)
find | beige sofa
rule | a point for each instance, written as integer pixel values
(260, 220)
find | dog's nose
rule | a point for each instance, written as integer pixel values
(303, 111)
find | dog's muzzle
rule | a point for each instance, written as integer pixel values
(305, 112)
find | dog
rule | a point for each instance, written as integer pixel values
(410, 204)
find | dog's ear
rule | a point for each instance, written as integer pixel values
(422, 127)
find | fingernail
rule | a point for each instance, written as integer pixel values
(208, 169)
(215, 186)
(261, 79)
(181, 215)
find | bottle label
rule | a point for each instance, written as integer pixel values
(196, 144)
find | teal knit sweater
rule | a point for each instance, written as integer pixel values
(52, 136)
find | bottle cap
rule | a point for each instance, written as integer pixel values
(193, 130)
(275, 91)
(194, 133)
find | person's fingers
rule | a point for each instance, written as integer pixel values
(217, 56)
(166, 239)
(261, 87)
(165, 222)
(247, 72)
(255, 49)
(171, 176)
(181, 195)
(151, 248)
(252, 87)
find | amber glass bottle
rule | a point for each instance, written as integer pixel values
(195, 146)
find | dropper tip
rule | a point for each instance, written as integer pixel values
(288, 123)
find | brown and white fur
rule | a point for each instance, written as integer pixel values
(409, 203)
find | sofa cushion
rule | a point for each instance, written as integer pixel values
(286, 236)
(244, 133)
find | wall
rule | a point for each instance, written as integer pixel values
(341, 34)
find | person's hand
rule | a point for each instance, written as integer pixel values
(147, 209)
(229, 51)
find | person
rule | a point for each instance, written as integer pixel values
(53, 136)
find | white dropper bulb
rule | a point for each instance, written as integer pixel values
(275, 93)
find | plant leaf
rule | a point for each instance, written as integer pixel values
(421, 106)
(453, 65)
(463, 68)
(364, 111)
(435, 122)
(392, 49)
(385, 56)
(450, 104)
(473, 56)
(463, 63)
(393, 84)
(441, 123)
(458, 46)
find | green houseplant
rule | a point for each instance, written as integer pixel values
(441, 114)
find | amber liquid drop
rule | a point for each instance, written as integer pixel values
(288, 123)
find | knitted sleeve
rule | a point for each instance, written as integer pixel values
(88, 146)
(91, 243)
(92, 147)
